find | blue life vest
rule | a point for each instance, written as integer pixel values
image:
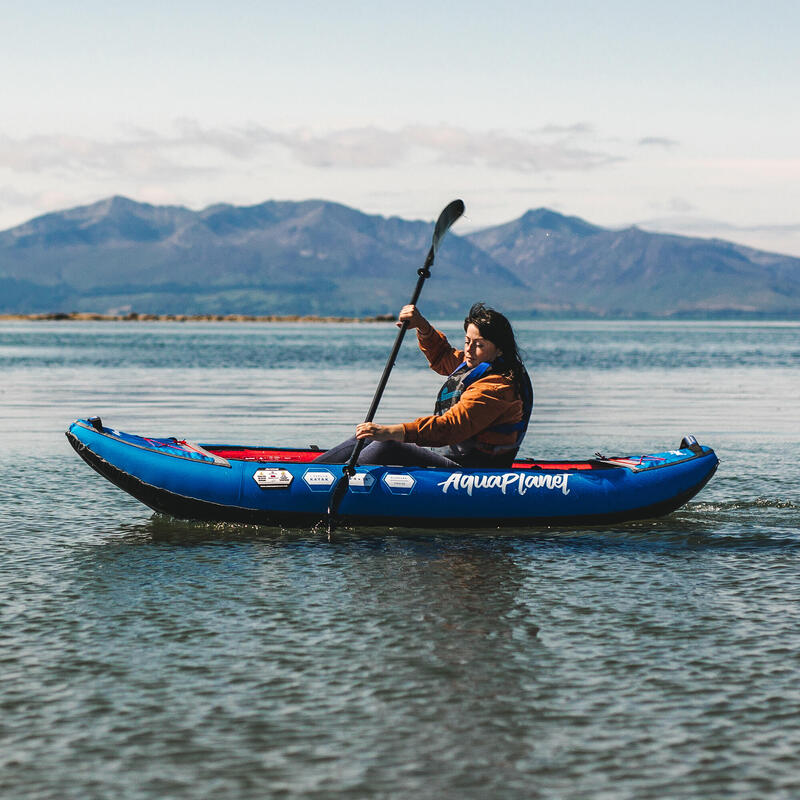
(461, 378)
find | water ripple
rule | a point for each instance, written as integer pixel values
(144, 657)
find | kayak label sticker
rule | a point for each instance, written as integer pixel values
(268, 478)
(509, 481)
(318, 480)
(362, 483)
(399, 483)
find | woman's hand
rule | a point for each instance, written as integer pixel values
(413, 319)
(380, 433)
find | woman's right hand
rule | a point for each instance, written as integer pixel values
(413, 319)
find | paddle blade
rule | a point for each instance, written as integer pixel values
(448, 216)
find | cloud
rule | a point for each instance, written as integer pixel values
(577, 129)
(709, 226)
(786, 228)
(674, 205)
(501, 150)
(371, 147)
(658, 141)
(356, 148)
(192, 149)
(9, 197)
(140, 155)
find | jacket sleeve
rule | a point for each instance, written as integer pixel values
(441, 355)
(489, 401)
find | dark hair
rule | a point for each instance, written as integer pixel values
(495, 327)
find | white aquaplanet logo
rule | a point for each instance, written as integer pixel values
(508, 481)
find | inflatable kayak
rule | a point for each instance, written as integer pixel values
(282, 486)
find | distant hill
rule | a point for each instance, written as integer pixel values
(318, 257)
(313, 257)
(568, 262)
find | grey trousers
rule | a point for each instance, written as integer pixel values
(396, 453)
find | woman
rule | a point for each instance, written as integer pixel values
(481, 412)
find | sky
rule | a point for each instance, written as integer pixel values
(681, 117)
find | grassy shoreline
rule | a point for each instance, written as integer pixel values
(88, 316)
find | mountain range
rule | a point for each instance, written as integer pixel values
(319, 257)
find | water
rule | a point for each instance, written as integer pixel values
(143, 657)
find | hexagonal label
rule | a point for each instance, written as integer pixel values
(318, 480)
(362, 482)
(399, 482)
(272, 478)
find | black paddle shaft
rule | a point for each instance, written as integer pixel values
(424, 273)
(448, 216)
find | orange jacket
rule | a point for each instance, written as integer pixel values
(490, 400)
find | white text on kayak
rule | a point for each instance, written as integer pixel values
(510, 480)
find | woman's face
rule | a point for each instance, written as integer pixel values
(477, 349)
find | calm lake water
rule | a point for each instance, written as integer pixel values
(144, 657)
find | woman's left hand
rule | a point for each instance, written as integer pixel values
(380, 433)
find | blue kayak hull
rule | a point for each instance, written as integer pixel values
(284, 487)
